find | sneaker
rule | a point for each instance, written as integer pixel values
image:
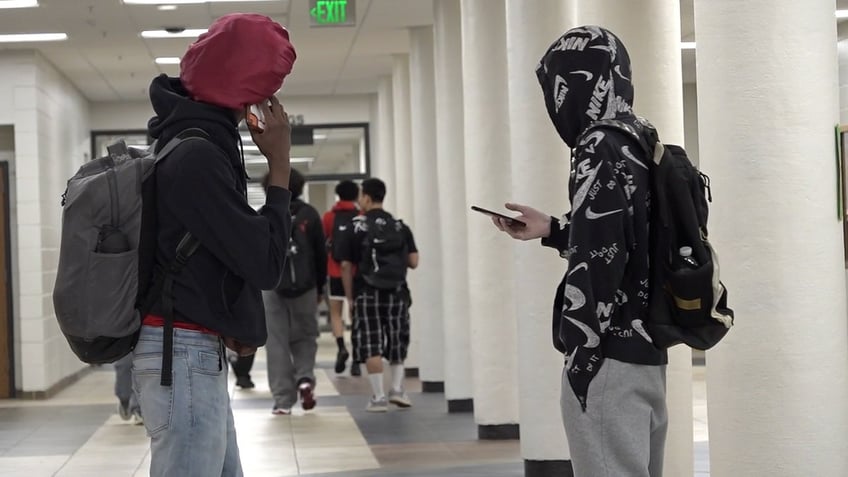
(399, 399)
(377, 405)
(354, 369)
(245, 382)
(341, 360)
(124, 410)
(307, 397)
(137, 419)
(281, 411)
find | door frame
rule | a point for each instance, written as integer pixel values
(6, 230)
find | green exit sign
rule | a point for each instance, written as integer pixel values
(332, 13)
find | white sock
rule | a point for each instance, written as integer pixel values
(376, 380)
(397, 377)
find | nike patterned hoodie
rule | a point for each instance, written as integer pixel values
(599, 306)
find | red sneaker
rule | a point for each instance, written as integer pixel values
(307, 397)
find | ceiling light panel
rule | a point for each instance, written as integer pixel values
(18, 3)
(188, 33)
(33, 37)
(168, 60)
(187, 2)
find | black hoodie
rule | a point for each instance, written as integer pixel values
(201, 188)
(598, 310)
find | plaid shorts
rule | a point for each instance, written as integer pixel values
(380, 326)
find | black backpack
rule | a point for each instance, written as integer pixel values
(688, 302)
(341, 220)
(385, 254)
(299, 272)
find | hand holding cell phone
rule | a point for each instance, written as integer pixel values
(271, 132)
(531, 224)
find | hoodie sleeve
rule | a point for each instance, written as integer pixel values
(558, 238)
(598, 245)
(204, 197)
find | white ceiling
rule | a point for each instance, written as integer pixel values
(106, 58)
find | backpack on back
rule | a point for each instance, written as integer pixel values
(299, 271)
(341, 220)
(385, 254)
(688, 302)
(105, 279)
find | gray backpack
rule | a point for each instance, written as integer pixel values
(106, 280)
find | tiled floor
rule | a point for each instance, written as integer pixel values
(78, 433)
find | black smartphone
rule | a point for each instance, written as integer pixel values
(512, 222)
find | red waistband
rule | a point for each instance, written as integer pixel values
(153, 320)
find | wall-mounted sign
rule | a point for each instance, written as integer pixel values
(332, 13)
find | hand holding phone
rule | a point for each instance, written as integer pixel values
(255, 119)
(510, 221)
(531, 224)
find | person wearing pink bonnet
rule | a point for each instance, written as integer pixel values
(230, 251)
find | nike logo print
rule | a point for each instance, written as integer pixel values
(625, 151)
(376, 240)
(592, 215)
(343, 228)
(588, 74)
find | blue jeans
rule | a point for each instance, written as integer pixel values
(190, 423)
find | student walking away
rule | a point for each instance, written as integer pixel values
(292, 309)
(380, 248)
(614, 394)
(233, 253)
(128, 407)
(336, 221)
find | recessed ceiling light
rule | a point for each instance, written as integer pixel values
(687, 45)
(168, 60)
(31, 37)
(186, 2)
(180, 34)
(167, 7)
(842, 14)
(18, 3)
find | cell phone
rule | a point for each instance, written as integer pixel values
(255, 118)
(512, 222)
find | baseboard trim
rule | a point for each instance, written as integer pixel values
(498, 432)
(548, 468)
(460, 405)
(55, 389)
(432, 386)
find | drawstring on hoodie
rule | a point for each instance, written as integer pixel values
(243, 165)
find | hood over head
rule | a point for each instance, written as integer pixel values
(241, 60)
(585, 76)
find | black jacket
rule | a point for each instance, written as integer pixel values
(201, 188)
(599, 306)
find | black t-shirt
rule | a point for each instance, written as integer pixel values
(348, 244)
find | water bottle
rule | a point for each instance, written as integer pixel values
(686, 258)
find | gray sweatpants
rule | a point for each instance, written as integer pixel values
(292, 343)
(622, 433)
(123, 382)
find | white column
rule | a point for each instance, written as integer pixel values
(843, 82)
(384, 167)
(540, 164)
(402, 189)
(778, 383)
(452, 204)
(650, 29)
(428, 292)
(488, 183)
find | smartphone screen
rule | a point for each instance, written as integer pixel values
(512, 222)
